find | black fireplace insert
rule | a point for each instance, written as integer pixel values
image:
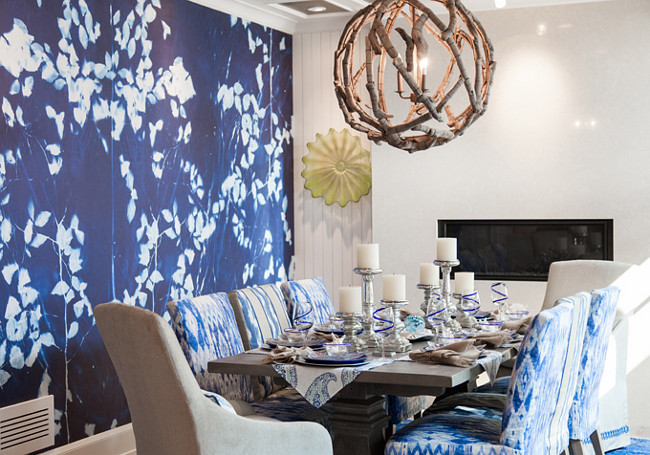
(522, 250)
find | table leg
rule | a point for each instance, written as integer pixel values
(359, 422)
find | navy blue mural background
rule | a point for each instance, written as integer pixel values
(145, 156)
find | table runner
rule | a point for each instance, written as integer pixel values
(319, 384)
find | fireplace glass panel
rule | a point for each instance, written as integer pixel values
(524, 249)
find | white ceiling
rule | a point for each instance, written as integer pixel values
(284, 15)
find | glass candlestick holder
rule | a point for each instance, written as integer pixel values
(446, 295)
(351, 326)
(395, 342)
(368, 306)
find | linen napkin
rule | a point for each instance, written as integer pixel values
(520, 326)
(461, 354)
(284, 354)
(492, 339)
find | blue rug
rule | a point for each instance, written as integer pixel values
(638, 447)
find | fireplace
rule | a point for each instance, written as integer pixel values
(522, 250)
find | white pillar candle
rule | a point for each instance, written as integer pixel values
(429, 273)
(446, 250)
(463, 282)
(368, 256)
(350, 299)
(394, 287)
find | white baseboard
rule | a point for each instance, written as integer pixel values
(118, 441)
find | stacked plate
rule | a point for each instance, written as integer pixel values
(311, 342)
(350, 359)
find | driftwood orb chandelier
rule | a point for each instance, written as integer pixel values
(414, 38)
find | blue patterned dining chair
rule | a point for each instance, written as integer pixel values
(535, 417)
(206, 329)
(260, 312)
(569, 277)
(170, 413)
(584, 413)
(313, 290)
(493, 396)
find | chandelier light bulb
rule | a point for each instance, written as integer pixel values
(500, 3)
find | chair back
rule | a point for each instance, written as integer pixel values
(261, 313)
(543, 382)
(583, 417)
(570, 277)
(309, 290)
(206, 329)
(157, 381)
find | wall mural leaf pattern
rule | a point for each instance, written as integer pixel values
(145, 156)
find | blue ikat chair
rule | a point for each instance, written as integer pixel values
(309, 290)
(313, 290)
(261, 313)
(206, 329)
(170, 413)
(583, 417)
(537, 404)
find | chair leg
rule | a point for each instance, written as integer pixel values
(575, 447)
(597, 442)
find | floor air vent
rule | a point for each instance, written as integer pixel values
(27, 426)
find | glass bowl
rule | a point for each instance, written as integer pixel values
(295, 335)
(336, 349)
(490, 326)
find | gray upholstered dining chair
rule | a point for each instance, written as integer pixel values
(170, 414)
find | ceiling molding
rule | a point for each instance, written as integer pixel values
(271, 13)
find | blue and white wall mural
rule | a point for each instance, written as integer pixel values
(145, 156)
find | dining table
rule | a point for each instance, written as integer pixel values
(359, 422)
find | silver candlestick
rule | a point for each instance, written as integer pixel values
(368, 336)
(351, 326)
(445, 293)
(395, 342)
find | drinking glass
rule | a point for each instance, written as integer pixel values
(436, 314)
(383, 325)
(499, 292)
(303, 316)
(470, 304)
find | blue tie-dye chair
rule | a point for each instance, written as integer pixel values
(260, 312)
(313, 290)
(584, 414)
(309, 290)
(583, 417)
(535, 417)
(206, 329)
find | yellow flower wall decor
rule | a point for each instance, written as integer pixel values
(337, 168)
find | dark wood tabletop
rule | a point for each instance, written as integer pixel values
(359, 421)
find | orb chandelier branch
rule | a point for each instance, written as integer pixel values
(430, 117)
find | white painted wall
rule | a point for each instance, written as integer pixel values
(325, 236)
(528, 158)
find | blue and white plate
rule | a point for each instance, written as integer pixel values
(482, 314)
(349, 359)
(314, 343)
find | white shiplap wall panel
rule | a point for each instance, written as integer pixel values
(326, 236)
